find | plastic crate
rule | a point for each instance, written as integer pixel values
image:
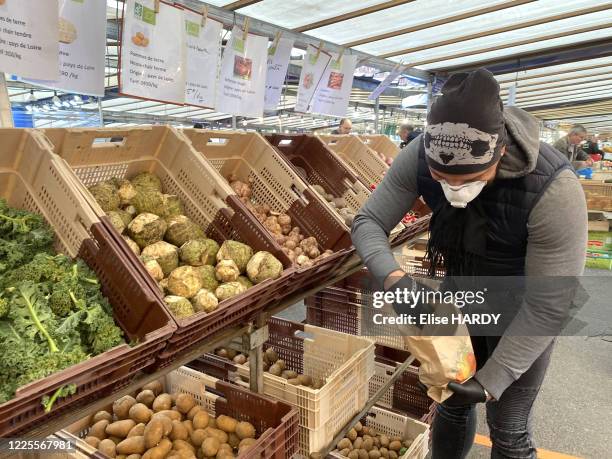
(366, 164)
(248, 156)
(396, 425)
(381, 144)
(31, 178)
(345, 362)
(92, 157)
(596, 188)
(276, 422)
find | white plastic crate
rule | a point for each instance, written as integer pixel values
(396, 425)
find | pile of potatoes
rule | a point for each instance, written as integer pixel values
(362, 442)
(273, 365)
(158, 425)
(338, 204)
(301, 250)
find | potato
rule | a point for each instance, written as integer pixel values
(231, 353)
(134, 456)
(368, 443)
(245, 430)
(160, 451)
(395, 439)
(272, 355)
(233, 440)
(365, 430)
(305, 380)
(353, 454)
(200, 420)
(358, 443)
(98, 430)
(352, 435)
(184, 403)
(179, 432)
(108, 447)
(137, 430)
(275, 370)
(115, 440)
(240, 359)
(345, 452)
(183, 445)
(121, 456)
(172, 414)
(219, 434)
(374, 454)
(154, 431)
(289, 374)
(156, 387)
(226, 424)
(101, 415)
(281, 364)
(358, 427)
(146, 397)
(120, 429)
(407, 443)
(93, 441)
(197, 437)
(225, 447)
(376, 442)
(182, 454)
(345, 443)
(140, 413)
(395, 445)
(294, 381)
(210, 446)
(384, 452)
(165, 420)
(132, 445)
(393, 454)
(193, 411)
(162, 402)
(245, 445)
(188, 426)
(367, 437)
(121, 407)
(315, 455)
(363, 454)
(384, 441)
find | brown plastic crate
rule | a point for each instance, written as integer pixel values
(357, 155)
(381, 144)
(248, 156)
(91, 157)
(30, 178)
(276, 422)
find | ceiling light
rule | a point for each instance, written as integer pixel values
(78, 99)
(56, 100)
(31, 97)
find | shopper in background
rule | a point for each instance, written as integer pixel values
(498, 196)
(569, 145)
(345, 127)
(407, 134)
(591, 147)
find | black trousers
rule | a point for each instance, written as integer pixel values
(509, 418)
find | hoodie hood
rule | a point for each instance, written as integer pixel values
(522, 144)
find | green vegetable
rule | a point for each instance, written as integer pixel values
(65, 391)
(402, 451)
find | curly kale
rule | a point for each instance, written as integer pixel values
(52, 312)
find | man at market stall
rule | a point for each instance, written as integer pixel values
(498, 196)
(407, 133)
(569, 144)
(344, 128)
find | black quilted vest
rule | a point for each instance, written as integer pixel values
(507, 203)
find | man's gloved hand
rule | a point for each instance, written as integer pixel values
(468, 393)
(405, 305)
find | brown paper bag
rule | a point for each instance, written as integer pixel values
(444, 351)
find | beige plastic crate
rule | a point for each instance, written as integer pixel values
(381, 144)
(276, 427)
(344, 362)
(596, 189)
(367, 165)
(249, 156)
(396, 425)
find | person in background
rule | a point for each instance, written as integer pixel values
(345, 127)
(591, 147)
(499, 198)
(569, 145)
(407, 134)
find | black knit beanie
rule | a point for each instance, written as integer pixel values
(465, 125)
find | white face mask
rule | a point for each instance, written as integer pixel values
(461, 195)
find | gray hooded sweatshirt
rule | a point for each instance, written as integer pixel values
(556, 245)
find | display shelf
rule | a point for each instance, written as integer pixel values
(350, 266)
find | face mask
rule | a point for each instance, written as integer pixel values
(459, 196)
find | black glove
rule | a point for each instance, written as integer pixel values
(409, 284)
(468, 393)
